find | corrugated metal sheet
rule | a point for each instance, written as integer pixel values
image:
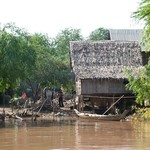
(126, 34)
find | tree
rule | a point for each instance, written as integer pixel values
(52, 64)
(143, 14)
(100, 34)
(16, 56)
(62, 41)
(61, 53)
(141, 85)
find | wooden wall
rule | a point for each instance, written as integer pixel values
(101, 86)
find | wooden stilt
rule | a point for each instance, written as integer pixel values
(79, 104)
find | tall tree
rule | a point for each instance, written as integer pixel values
(52, 65)
(141, 84)
(16, 55)
(62, 41)
(62, 46)
(99, 34)
(143, 14)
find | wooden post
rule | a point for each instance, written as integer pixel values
(124, 104)
(92, 103)
(82, 103)
(74, 100)
(32, 114)
(3, 107)
(79, 103)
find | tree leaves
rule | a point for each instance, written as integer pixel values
(100, 34)
(33, 60)
(141, 84)
(143, 14)
(15, 55)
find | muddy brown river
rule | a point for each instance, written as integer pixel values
(74, 135)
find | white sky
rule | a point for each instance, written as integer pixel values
(52, 16)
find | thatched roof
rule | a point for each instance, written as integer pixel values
(104, 59)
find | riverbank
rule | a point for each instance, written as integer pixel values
(141, 114)
(27, 114)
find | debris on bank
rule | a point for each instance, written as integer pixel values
(41, 109)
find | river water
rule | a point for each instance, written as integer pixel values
(74, 135)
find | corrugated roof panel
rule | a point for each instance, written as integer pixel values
(126, 34)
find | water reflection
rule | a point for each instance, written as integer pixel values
(74, 135)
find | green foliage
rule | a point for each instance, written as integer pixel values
(34, 61)
(52, 64)
(62, 42)
(140, 84)
(16, 56)
(60, 52)
(100, 34)
(146, 114)
(141, 114)
(143, 14)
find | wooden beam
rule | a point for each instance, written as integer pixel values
(101, 97)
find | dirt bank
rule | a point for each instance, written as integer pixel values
(27, 114)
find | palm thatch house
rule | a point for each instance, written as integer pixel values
(99, 67)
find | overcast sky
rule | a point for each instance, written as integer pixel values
(52, 16)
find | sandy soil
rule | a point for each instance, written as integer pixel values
(6, 109)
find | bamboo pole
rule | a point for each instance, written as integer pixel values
(113, 104)
(42, 106)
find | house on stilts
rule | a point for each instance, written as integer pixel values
(99, 70)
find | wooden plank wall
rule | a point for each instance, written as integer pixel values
(102, 86)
